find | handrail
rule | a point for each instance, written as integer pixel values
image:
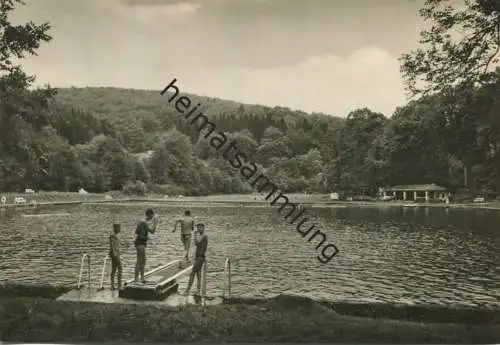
(227, 278)
(101, 285)
(84, 256)
(204, 284)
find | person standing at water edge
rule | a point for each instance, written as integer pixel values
(114, 254)
(187, 227)
(144, 228)
(201, 242)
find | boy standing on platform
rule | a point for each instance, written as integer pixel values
(201, 242)
(114, 254)
(187, 228)
(144, 228)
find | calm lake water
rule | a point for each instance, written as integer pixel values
(399, 255)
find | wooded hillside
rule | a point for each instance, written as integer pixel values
(102, 131)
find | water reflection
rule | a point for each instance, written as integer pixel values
(402, 254)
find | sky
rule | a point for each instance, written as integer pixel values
(329, 56)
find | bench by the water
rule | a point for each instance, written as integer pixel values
(161, 282)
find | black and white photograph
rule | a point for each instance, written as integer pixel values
(250, 171)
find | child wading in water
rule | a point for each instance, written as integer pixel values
(114, 254)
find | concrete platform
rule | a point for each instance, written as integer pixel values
(111, 297)
(171, 274)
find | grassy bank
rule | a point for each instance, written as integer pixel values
(424, 313)
(34, 291)
(291, 319)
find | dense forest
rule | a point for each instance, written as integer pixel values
(102, 139)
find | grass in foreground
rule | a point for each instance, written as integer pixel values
(25, 319)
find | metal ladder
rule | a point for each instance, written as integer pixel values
(103, 272)
(227, 279)
(89, 281)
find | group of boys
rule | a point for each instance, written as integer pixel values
(148, 226)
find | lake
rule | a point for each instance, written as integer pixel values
(394, 254)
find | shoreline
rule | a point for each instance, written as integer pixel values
(396, 311)
(30, 313)
(312, 201)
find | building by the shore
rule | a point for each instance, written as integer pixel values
(416, 192)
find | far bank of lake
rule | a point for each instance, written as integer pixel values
(308, 200)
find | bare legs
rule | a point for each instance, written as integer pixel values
(186, 241)
(116, 267)
(140, 264)
(196, 271)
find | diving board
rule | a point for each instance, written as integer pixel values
(161, 282)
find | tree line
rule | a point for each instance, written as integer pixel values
(102, 139)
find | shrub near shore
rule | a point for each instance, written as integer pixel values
(284, 318)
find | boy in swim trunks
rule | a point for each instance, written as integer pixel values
(144, 228)
(201, 242)
(114, 255)
(187, 227)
